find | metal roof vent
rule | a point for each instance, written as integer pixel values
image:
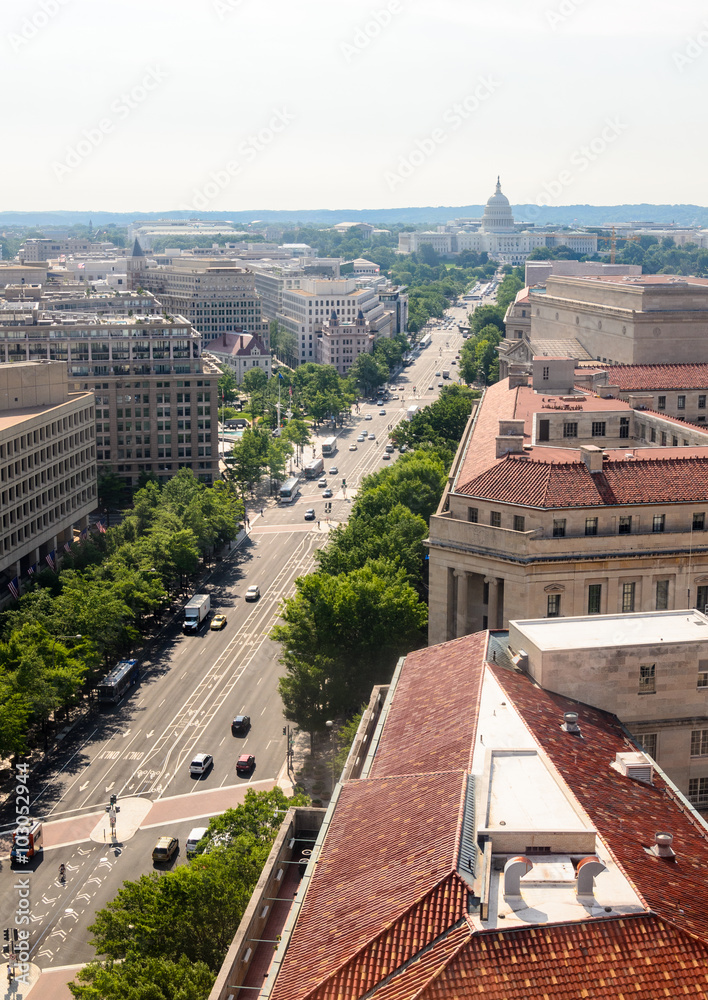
(635, 765)
(570, 723)
(662, 845)
(521, 660)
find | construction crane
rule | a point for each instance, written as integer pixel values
(612, 240)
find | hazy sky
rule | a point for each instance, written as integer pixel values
(238, 104)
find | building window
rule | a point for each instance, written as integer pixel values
(652, 434)
(624, 427)
(628, 590)
(702, 674)
(647, 741)
(663, 438)
(594, 598)
(590, 525)
(559, 527)
(625, 525)
(698, 791)
(699, 522)
(699, 742)
(519, 523)
(662, 595)
(544, 430)
(681, 402)
(570, 430)
(473, 514)
(495, 519)
(647, 678)
(661, 403)
(701, 402)
(658, 522)
(546, 372)
(598, 428)
(554, 605)
(702, 599)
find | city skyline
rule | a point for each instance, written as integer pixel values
(390, 104)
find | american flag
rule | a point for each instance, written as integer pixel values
(31, 569)
(84, 533)
(67, 546)
(13, 588)
(101, 527)
(50, 559)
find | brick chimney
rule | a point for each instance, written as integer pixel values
(592, 456)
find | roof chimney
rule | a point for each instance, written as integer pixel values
(592, 456)
(570, 722)
(510, 439)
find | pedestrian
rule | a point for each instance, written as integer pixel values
(262, 512)
(318, 525)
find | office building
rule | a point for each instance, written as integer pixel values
(340, 343)
(242, 352)
(47, 464)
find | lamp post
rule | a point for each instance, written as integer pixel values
(330, 727)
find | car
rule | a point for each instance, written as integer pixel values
(246, 763)
(253, 593)
(382, 413)
(201, 764)
(352, 446)
(386, 457)
(362, 437)
(389, 449)
(322, 483)
(372, 437)
(165, 849)
(431, 388)
(368, 417)
(240, 725)
(437, 374)
(327, 493)
(453, 362)
(217, 623)
(334, 471)
(310, 514)
(403, 449)
(440, 385)
(195, 835)
(379, 402)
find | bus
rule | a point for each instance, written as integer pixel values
(289, 491)
(329, 447)
(426, 341)
(115, 684)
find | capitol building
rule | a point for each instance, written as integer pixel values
(495, 233)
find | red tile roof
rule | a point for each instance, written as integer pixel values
(385, 884)
(626, 813)
(637, 956)
(421, 734)
(644, 378)
(554, 485)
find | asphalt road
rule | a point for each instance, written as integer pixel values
(191, 687)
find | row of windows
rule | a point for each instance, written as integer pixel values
(624, 522)
(680, 402)
(39, 524)
(628, 596)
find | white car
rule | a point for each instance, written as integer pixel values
(368, 416)
(333, 471)
(201, 764)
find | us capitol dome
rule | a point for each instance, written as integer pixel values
(497, 216)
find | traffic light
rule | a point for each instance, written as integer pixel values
(6, 934)
(344, 482)
(285, 730)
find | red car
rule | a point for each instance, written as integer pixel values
(245, 763)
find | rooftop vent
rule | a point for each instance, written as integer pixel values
(521, 660)
(635, 764)
(570, 722)
(662, 845)
(588, 870)
(513, 870)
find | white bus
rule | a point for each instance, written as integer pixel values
(329, 447)
(290, 490)
(426, 341)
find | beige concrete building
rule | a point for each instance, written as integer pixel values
(649, 319)
(47, 463)
(214, 295)
(156, 397)
(649, 669)
(39, 249)
(561, 502)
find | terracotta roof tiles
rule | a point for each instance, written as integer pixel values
(644, 378)
(562, 485)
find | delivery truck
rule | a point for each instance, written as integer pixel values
(26, 841)
(195, 611)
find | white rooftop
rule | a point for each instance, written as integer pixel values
(596, 631)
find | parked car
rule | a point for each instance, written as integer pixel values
(201, 764)
(246, 763)
(217, 623)
(195, 835)
(389, 449)
(165, 849)
(372, 437)
(240, 725)
(386, 457)
(253, 593)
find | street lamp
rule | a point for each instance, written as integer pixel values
(330, 727)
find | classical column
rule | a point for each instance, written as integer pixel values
(461, 617)
(493, 604)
